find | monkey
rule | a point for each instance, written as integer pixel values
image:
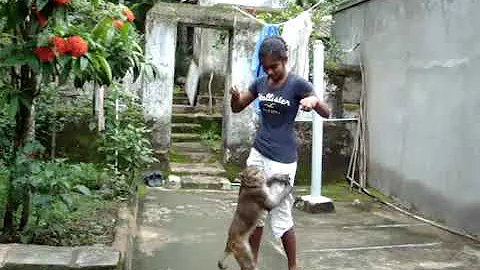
(255, 196)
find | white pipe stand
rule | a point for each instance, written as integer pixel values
(315, 202)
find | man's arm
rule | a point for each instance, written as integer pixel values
(240, 100)
(313, 102)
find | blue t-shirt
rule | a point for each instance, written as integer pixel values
(276, 138)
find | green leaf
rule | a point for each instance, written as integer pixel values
(19, 58)
(13, 106)
(67, 199)
(102, 29)
(106, 69)
(41, 4)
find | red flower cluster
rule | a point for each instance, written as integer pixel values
(78, 46)
(45, 54)
(62, 2)
(60, 45)
(75, 45)
(130, 17)
(118, 24)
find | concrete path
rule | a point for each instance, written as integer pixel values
(186, 230)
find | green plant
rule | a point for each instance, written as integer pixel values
(125, 143)
(44, 42)
(211, 134)
(55, 188)
(7, 126)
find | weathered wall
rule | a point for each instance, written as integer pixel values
(342, 95)
(212, 53)
(239, 128)
(157, 94)
(252, 3)
(421, 59)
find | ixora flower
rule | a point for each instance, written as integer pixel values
(60, 45)
(61, 2)
(127, 12)
(45, 54)
(118, 24)
(78, 46)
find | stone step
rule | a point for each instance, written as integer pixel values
(203, 99)
(180, 100)
(190, 147)
(196, 118)
(180, 94)
(202, 157)
(185, 137)
(182, 108)
(210, 169)
(185, 127)
(204, 182)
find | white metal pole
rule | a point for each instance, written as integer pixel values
(317, 121)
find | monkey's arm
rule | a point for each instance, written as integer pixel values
(279, 178)
(273, 200)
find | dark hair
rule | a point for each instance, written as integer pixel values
(274, 46)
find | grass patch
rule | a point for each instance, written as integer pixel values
(340, 191)
(351, 106)
(232, 170)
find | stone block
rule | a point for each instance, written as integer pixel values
(212, 169)
(205, 182)
(105, 258)
(3, 253)
(35, 257)
(315, 204)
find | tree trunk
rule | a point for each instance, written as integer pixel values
(25, 122)
(24, 130)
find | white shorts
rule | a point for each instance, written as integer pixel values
(281, 219)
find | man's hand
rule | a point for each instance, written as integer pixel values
(240, 100)
(308, 103)
(235, 92)
(313, 102)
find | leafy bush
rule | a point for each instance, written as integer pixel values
(56, 188)
(7, 126)
(125, 144)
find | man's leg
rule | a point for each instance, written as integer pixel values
(255, 240)
(289, 242)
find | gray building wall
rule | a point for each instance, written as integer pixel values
(422, 59)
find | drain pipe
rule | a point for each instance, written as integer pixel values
(403, 211)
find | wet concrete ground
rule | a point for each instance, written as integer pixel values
(186, 230)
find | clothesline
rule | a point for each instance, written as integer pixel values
(264, 23)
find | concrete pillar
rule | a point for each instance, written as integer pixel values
(157, 96)
(239, 128)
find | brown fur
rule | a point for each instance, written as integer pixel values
(254, 197)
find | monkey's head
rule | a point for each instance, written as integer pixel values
(252, 176)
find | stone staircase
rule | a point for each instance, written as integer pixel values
(191, 159)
